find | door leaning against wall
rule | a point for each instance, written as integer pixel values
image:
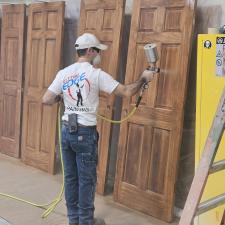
(104, 19)
(12, 57)
(149, 142)
(43, 60)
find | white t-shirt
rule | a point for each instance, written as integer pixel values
(80, 84)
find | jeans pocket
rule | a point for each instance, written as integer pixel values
(89, 159)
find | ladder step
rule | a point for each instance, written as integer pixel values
(218, 166)
(210, 204)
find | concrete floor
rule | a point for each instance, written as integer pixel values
(35, 185)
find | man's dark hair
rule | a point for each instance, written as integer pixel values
(81, 52)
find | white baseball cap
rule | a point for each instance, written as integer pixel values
(88, 40)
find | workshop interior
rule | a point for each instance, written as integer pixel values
(161, 155)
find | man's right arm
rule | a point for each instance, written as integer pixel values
(131, 89)
(50, 98)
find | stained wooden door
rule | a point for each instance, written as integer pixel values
(150, 141)
(104, 19)
(43, 59)
(12, 42)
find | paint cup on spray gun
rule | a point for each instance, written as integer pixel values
(152, 57)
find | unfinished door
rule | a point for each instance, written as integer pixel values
(43, 59)
(150, 141)
(12, 42)
(104, 19)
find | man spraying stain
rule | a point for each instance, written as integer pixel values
(80, 85)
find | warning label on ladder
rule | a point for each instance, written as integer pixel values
(220, 56)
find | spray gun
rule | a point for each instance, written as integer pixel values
(152, 58)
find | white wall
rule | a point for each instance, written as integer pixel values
(213, 10)
(219, 4)
(210, 13)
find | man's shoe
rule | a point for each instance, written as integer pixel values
(99, 221)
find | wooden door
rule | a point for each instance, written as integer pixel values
(104, 19)
(44, 42)
(12, 43)
(149, 142)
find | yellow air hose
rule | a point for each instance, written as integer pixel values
(119, 121)
(49, 207)
(143, 88)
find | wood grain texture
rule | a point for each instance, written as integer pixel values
(150, 141)
(104, 19)
(12, 56)
(43, 60)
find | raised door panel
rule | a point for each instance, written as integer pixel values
(12, 43)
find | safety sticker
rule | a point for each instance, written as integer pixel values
(220, 56)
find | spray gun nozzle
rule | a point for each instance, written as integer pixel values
(153, 69)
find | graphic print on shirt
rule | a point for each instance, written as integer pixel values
(78, 89)
(79, 95)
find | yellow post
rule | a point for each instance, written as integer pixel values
(210, 84)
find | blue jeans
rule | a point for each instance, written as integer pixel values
(80, 156)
